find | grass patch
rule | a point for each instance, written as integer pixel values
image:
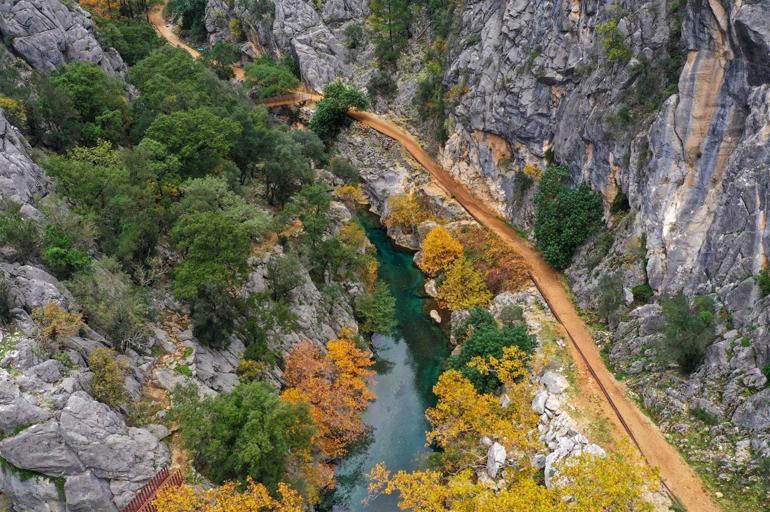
(184, 370)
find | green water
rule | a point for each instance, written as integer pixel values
(407, 366)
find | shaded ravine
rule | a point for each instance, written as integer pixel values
(407, 366)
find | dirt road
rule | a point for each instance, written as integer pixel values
(683, 482)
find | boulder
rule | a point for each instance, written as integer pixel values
(21, 179)
(554, 382)
(495, 459)
(48, 371)
(86, 493)
(41, 448)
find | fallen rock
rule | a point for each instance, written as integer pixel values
(495, 459)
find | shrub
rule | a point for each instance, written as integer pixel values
(405, 211)
(489, 341)
(17, 231)
(354, 35)
(610, 295)
(56, 324)
(14, 110)
(377, 310)
(133, 39)
(220, 58)
(270, 78)
(642, 293)
(439, 251)
(111, 303)
(331, 112)
(6, 301)
(613, 42)
(463, 287)
(108, 374)
(250, 370)
(564, 217)
(512, 315)
(213, 314)
(284, 275)
(248, 432)
(763, 281)
(381, 84)
(704, 416)
(766, 372)
(59, 255)
(344, 170)
(687, 330)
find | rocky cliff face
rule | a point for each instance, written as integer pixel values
(47, 34)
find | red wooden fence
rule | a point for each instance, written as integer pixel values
(142, 502)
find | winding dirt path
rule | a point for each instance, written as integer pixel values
(678, 477)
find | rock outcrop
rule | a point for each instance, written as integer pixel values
(47, 34)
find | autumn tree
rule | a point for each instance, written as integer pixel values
(439, 251)
(463, 287)
(405, 211)
(335, 384)
(228, 498)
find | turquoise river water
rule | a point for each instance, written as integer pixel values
(407, 366)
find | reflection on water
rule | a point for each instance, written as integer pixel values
(408, 365)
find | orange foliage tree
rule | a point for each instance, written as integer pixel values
(502, 269)
(405, 211)
(439, 251)
(335, 384)
(227, 498)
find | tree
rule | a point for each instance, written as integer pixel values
(335, 386)
(311, 146)
(463, 287)
(687, 330)
(270, 79)
(247, 432)
(354, 35)
(53, 119)
(221, 58)
(17, 231)
(331, 112)
(60, 255)
(200, 138)
(192, 14)
(133, 39)
(107, 379)
(610, 296)
(485, 342)
(285, 170)
(214, 249)
(564, 217)
(228, 497)
(405, 211)
(389, 20)
(377, 310)
(284, 275)
(313, 206)
(213, 315)
(344, 170)
(439, 251)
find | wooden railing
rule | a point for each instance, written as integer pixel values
(142, 502)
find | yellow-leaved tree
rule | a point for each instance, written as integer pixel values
(439, 251)
(227, 498)
(463, 287)
(405, 211)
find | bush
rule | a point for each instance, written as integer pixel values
(766, 372)
(377, 310)
(133, 39)
(284, 275)
(213, 314)
(405, 211)
(248, 432)
(112, 305)
(270, 78)
(331, 112)
(108, 374)
(344, 170)
(220, 58)
(17, 231)
(489, 341)
(687, 330)
(512, 315)
(613, 42)
(381, 84)
(564, 217)
(763, 281)
(6, 301)
(610, 295)
(56, 324)
(354, 35)
(59, 255)
(642, 293)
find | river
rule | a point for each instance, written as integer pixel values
(407, 365)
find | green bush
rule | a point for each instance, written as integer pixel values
(512, 315)
(284, 275)
(642, 293)
(704, 416)
(344, 170)
(59, 254)
(687, 330)
(354, 35)
(133, 39)
(331, 112)
(17, 231)
(220, 58)
(763, 281)
(112, 305)
(766, 372)
(248, 432)
(487, 340)
(269, 78)
(377, 310)
(610, 295)
(213, 315)
(564, 217)
(613, 42)
(6, 301)
(382, 84)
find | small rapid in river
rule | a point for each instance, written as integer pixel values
(407, 366)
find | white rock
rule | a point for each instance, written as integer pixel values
(554, 382)
(495, 459)
(435, 316)
(538, 404)
(553, 403)
(505, 401)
